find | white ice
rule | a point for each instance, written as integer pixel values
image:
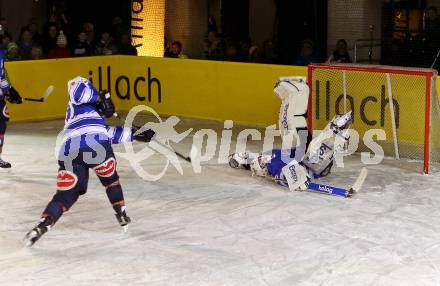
(221, 227)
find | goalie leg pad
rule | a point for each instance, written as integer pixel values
(294, 95)
(296, 176)
(331, 141)
(320, 163)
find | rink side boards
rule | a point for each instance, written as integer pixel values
(32, 78)
(191, 88)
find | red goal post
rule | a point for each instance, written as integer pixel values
(402, 101)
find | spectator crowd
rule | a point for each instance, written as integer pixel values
(219, 47)
(60, 40)
(222, 47)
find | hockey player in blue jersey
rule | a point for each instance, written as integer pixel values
(309, 159)
(7, 92)
(87, 145)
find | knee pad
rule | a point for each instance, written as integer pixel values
(106, 172)
(69, 181)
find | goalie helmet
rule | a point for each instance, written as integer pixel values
(259, 165)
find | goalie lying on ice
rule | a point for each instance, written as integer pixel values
(288, 166)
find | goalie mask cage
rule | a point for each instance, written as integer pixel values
(411, 123)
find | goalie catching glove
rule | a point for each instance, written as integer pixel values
(13, 96)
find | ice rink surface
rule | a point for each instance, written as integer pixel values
(220, 227)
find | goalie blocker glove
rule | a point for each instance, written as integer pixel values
(105, 106)
(13, 96)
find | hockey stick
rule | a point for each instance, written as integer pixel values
(335, 191)
(46, 94)
(436, 58)
(186, 158)
(340, 191)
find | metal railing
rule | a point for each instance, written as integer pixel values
(366, 43)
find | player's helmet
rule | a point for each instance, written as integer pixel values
(259, 165)
(78, 86)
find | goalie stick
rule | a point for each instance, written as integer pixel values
(336, 191)
(46, 94)
(186, 158)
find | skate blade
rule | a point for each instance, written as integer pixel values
(125, 228)
(29, 239)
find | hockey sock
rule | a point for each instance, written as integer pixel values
(2, 140)
(115, 194)
(61, 202)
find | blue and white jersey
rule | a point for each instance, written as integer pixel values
(281, 158)
(4, 83)
(84, 126)
(276, 164)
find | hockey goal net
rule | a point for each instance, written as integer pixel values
(411, 123)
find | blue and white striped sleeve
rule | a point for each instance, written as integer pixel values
(120, 134)
(84, 93)
(4, 83)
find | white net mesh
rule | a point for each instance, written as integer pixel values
(365, 90)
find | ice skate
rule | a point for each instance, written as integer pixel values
(38, 231)
(121, 216)
(4, 164)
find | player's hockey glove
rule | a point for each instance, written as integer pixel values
(13, 96)
(143, 136)
(105, 106)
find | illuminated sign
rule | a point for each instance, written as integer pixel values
(147, 26)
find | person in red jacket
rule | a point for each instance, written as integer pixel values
(61, 50)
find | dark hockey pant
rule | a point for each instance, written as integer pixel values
(4, 118)
(73, 177)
